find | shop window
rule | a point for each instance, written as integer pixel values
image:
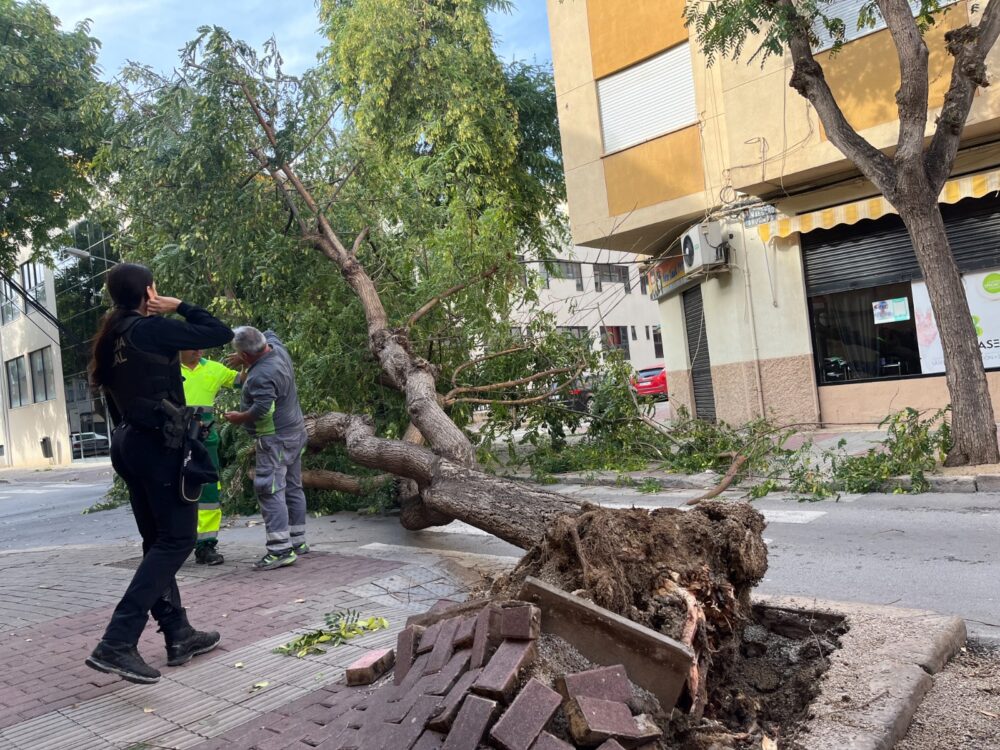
(865, 334)
(17, 383)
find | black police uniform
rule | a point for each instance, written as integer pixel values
(146, 371)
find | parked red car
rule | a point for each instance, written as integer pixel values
(651, 381)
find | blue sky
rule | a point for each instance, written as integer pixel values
(151, 31)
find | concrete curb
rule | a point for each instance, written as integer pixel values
(958, 484)
(879, 676)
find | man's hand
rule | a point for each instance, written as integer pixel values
(237, 417)
(234, 361)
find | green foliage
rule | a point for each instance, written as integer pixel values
(51, 120)
(340, 628)
(724, 28)
(115, 497)
(410, 128)
(913, 447)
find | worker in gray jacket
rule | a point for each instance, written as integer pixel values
(270, 412)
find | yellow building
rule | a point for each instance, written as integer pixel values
(799, 296)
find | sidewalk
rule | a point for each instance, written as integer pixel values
(57, 601)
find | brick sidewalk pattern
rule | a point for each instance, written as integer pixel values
(54, 605)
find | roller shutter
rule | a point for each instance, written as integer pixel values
(701, 365)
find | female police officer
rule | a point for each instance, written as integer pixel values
(135, 362)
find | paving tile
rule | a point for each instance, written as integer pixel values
(523, 622)
(442, 721)
(592, 720)
(607, 683)
(470, 724)
(527, 716)
(499, 677)
(443, 645)
(547, 741)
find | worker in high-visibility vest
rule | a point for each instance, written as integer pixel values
(203, 379)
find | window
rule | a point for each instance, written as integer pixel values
(615, 337)
(643, 284)
(605, 273)
(10, 303)
(634, 336)
(565, 269)
(577, 332)
(647, 100)
(17, 383)
(657, 343)
(848, 11)
(33, 282)
(647, 333)
(43, 381)
(854, 339)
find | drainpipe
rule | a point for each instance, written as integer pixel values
(753, 324)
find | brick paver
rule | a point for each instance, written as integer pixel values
(54, 605)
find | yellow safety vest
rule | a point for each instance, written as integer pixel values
(204, 380)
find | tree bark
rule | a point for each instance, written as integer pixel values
(974, 430)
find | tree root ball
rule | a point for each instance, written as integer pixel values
(687, 574)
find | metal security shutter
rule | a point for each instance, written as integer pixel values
(848, 12)
(648, 99)
(872, 253)
(701, 365)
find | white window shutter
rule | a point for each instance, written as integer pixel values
(648, 100)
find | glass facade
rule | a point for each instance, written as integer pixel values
(79, 282)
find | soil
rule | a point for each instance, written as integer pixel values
(689, 576)
(962, 710)
(964, 471)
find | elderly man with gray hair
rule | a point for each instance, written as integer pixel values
(271, 413)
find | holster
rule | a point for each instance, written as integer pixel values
(176, 424)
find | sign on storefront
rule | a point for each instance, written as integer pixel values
(983, 292)
(667, 277)
(891, 310)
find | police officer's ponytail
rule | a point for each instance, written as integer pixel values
(127, 283)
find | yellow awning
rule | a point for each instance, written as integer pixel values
(970, 186)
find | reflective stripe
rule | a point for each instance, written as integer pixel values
(298, 529)
(206, 535)
(277, 536)
(208, 506)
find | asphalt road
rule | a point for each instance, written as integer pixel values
(935, 551)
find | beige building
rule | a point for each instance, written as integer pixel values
(787, 286)
(33, 426)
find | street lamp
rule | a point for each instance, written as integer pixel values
(84, 255)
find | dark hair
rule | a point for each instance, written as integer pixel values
(126, 283)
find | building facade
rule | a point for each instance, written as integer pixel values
(816, 310)
(602, 295)
(34, 431)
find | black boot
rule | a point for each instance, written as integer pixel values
(184, 642)
(206, 554)
(123, 660)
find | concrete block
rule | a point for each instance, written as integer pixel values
(499, 677)
(988, 482)
(470, 724)
(959, 484)
(527, 716)
(607, 683)
(370, 667)
(523, 622)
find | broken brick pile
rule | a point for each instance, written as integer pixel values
(459, 684)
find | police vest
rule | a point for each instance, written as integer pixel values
(141, 380)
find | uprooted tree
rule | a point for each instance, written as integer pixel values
(369, 149)
(912, 175)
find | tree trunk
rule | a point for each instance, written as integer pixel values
(974, 430)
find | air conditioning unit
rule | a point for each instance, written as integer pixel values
(704, 248)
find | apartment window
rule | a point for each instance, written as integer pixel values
(849, 11)
(634, 336)
(17, 383)
(643, 284)
(565, 269)
(69, 391)
(647, 100)
(615, 337)
(647, 333)
(10, 303)
(33, 282)
(605, 273)
(657, 343)
(43, 381)
(577, 332)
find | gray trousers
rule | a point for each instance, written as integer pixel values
(278, 484)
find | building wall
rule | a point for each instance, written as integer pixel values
(25, 426)
(591, 309)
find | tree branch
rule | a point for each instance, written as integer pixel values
(911, 99)
(969, 46)
(322, 479)
(485, 358)
(508, 383)
(808, 79)
(434, 302)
